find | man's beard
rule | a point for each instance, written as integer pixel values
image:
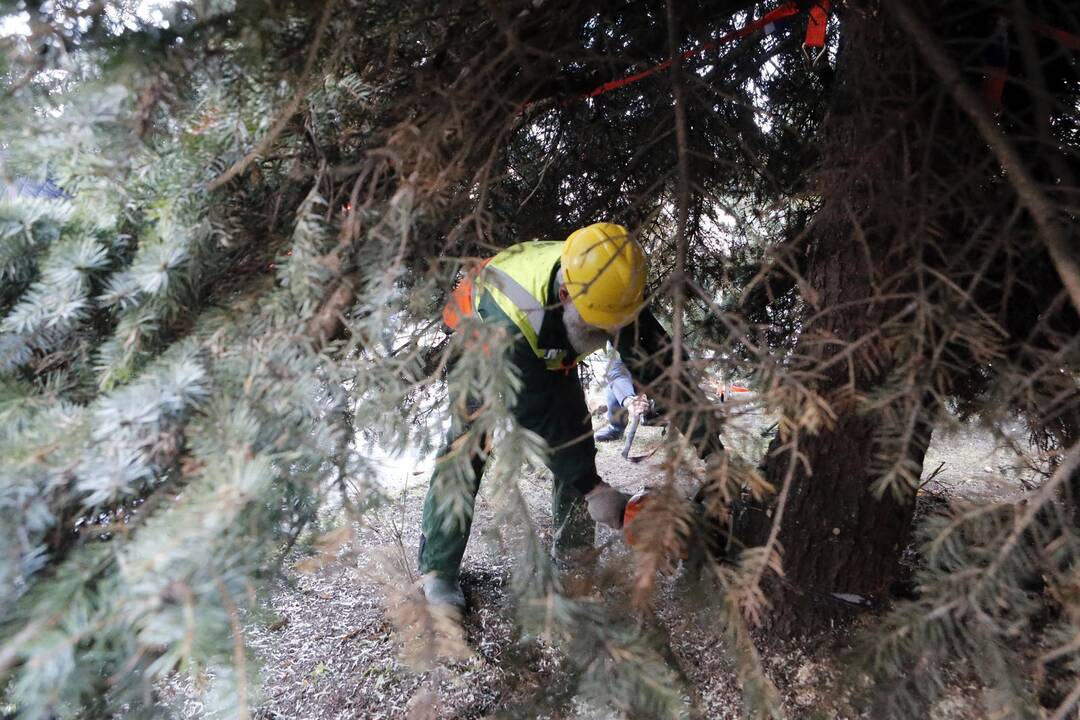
(584, 338)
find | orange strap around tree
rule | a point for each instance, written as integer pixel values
(818, 22)
(996, 58)
(816, 27)
(1067, 39)
(813, 47)
(784, 11)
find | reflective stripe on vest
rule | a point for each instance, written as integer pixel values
(517, 279)
(464, 298)
(529, 306)
(533, 311)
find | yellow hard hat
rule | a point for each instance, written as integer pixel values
(604, 270)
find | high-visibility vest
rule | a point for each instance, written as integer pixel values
(517, 279)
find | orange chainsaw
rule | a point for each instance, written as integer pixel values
(634, 506)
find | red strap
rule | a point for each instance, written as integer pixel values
(819, 20)
(994, 87)
(996, 57)
(1065, 38)
(786, 10)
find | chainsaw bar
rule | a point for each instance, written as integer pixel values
(630, 436)
(642, 458)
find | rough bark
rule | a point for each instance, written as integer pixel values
(836, 534)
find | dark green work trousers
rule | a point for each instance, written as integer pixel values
(552, 405)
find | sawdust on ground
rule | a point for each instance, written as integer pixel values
(328, 648)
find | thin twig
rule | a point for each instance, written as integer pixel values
(290, 108)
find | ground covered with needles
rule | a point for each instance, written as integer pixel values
(328, 646)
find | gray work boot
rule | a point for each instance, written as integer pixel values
(608, 434)
(438, 591)
(574, 538)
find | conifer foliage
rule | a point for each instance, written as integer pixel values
(264, 203)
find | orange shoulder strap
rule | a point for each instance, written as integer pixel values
(462, 299)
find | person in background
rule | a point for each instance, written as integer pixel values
(622, 401)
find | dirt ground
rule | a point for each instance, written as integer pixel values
(329, 649)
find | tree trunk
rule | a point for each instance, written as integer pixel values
(836, 535)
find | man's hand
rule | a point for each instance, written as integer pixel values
(606, 505)
(636, 405)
